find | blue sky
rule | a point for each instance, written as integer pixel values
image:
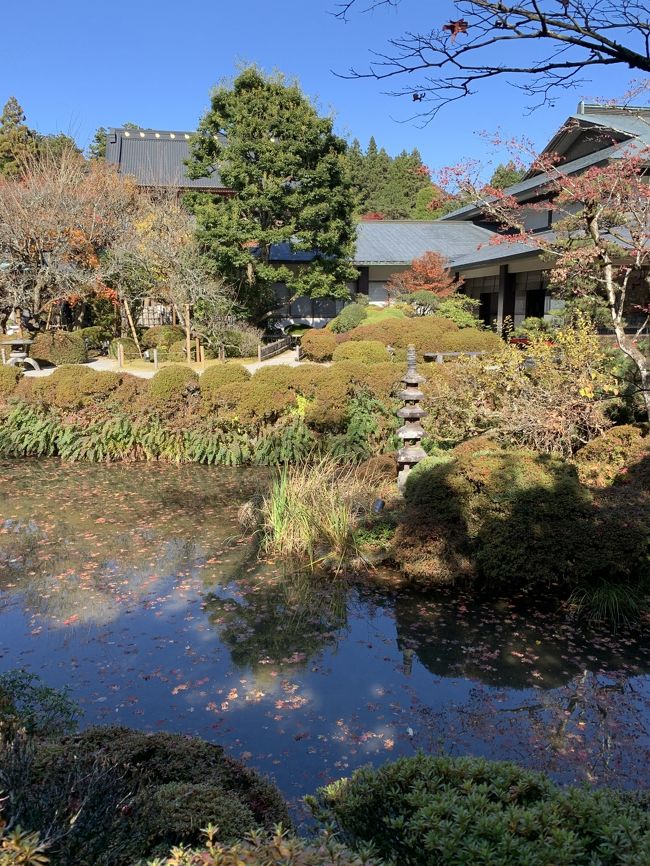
(75, 66)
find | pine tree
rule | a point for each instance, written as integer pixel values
(290, 181)
(17, 140)
(505, 174)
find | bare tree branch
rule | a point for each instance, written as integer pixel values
(452, 60)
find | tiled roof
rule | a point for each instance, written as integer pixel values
(397, 242)
(156, 158)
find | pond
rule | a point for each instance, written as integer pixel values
(131, 585)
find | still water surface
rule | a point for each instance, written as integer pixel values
(131, 585)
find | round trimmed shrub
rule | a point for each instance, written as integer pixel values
(446, 811)
(71, 387)
(9, 377)
(365, 351)
(178, 351)
(608, 458)
(171, 385)
(213, 380)
(162, 336)
(349, 317)
(59, 347)
(318, 345)
(129, 346)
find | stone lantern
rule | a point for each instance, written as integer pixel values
(411, 432)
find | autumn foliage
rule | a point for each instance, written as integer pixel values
(428, 273)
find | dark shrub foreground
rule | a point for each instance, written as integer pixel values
(142, 794)
(427, 811)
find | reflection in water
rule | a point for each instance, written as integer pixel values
(131, 585)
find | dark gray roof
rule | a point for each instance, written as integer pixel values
(398, 242)
(492, 254)
(156, 158)
(637, 127)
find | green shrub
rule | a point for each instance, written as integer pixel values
(171, 385)
(280, 849)
(129, 346)
(178, 811)
(71, 387)
(94, 336)
(446, 811)
(9, 377)
(517, 517)
(349, 317)
(607, 458)
(365, 351)
(141, 792)
(162, 336)
(318, 345)
(177, 351)
(214, 379)
(26, 703)
(59, 347)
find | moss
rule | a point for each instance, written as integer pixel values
(59, 347)
(318, 345)
(364, 351)
(9, 378)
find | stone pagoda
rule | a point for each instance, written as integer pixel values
(411, 412)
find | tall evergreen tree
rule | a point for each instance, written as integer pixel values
(289, 177)
(17, 140)
(505, 174)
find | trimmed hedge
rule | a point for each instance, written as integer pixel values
(171, 385)
(71, 387)
(318, 345)
(427, 334)
(9, 377)
(348, 318)
(129, 346)
(447, 811)
(364, 351)
(608, 458)
(59, 347)
(162, 336)
(215, 379)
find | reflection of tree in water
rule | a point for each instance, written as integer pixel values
(67, 578)
(500, 645)
(278, 619)
(549, 693)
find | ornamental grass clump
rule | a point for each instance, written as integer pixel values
(312, 510)
(442, 811)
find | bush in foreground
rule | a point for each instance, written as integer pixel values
(59, 347)
(318, 345)
(425, 810)
(9, 377)
(142, 793)
(257, 849)
(170, 385)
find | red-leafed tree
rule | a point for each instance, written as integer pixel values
(600, 243)
(428, 273)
